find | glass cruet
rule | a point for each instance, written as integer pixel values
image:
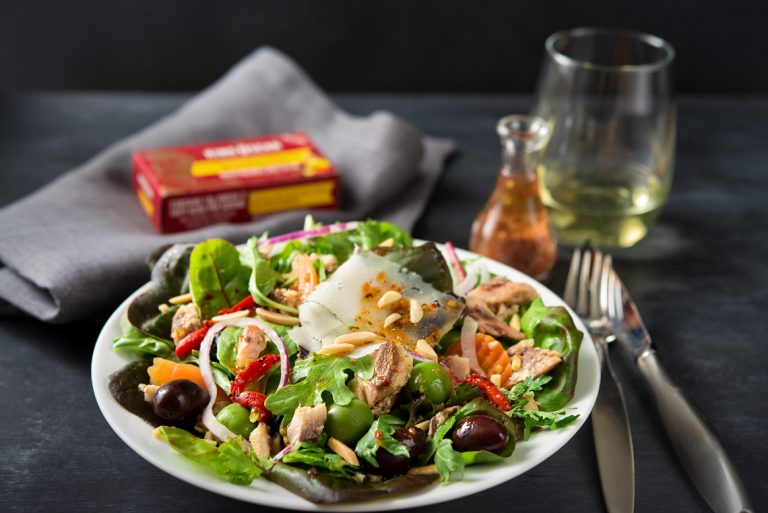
(512, 226)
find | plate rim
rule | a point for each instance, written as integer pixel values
(124, 423)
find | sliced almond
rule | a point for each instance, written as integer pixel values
(425, 350)
(337, 349)
(277, 318)
(149, 391)
(387, 243)
(516, 362)
(388, 298)
(416, 312)
(426, 469)
(344, 451)
(391, 319)
(356, 338)
(181, 299)
(495, 379)
(234, 315)
(163, 308)
(514, 322)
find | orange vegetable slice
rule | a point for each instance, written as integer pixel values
(491, 356)
(164, 371)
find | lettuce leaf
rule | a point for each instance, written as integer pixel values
(227, 460)
(133, 341)
(448, 461)
(315, 456)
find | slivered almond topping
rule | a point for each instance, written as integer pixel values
(163, 308)
(426, 469)
(388, 298)
(356, 338)
(342, 450)
(337, 349)
(514, 322)
(234, 315)
(391, 319)
(516, 362)
(277, 318)
(528, 342)
(416, 312)
(531, 405)
(495, 379)
(425, 350)
(387, 243)
(149, 391)
(180, 300)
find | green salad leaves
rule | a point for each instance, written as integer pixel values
(380, 435)
(217, 279)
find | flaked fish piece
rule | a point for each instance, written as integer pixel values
(392, 367)
(488, 322)
(307, 424)
(533, 361)
(250, 345)
(185, 321)
(501, 291)
(287, 297)
(260, 440)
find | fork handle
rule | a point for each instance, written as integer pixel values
(694, 441)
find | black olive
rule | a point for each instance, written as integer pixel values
(480, 432)
(415, 440)
(179, 400)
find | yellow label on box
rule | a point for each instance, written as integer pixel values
(315, 194)
(295, 157)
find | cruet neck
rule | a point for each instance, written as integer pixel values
(523, 139)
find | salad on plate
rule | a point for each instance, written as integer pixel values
(342, 362)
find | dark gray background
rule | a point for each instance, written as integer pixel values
(392, 45)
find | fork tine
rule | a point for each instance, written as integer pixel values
(607, 306)
(573, 276)
(595, 284)
(584, 272)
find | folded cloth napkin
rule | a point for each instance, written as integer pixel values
(80, 243)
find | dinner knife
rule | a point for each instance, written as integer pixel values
(696, 444)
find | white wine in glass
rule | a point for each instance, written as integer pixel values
(607, 170)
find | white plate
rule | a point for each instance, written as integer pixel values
(138, 434)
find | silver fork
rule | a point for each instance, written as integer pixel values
(591, 289)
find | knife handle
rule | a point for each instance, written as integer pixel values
(613, 441)
(694, 441)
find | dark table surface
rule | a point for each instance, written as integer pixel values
(700, 278)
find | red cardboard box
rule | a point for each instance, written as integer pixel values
(187, 187)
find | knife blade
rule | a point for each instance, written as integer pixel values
(695, 442)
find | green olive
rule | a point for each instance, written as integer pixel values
(236, 418)
(431, 380)
(349, 422)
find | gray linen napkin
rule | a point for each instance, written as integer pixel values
(80, 243)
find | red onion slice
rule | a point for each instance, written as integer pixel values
(308, 234)
(417, 356)
(468, 347)
(469, 282)
(451, 251)
(288, 448)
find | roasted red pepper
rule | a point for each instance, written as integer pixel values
(254, 371)
(246, 304)
(491, 391)
(192, 340)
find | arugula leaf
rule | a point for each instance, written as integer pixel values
(226, 342)
(315, 456)
(227, 460)
(528, 387)
(169, 278)
(541, 419)
(312, 377)
(217, 279)
(133, 341)
(380, 435)
(448, 461)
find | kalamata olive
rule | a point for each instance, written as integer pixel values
(179, 400)
(415, 440)
(480, 432)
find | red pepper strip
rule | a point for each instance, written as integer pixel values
(251, 399)
(491, 391)
(246, 304)
(192, 340)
